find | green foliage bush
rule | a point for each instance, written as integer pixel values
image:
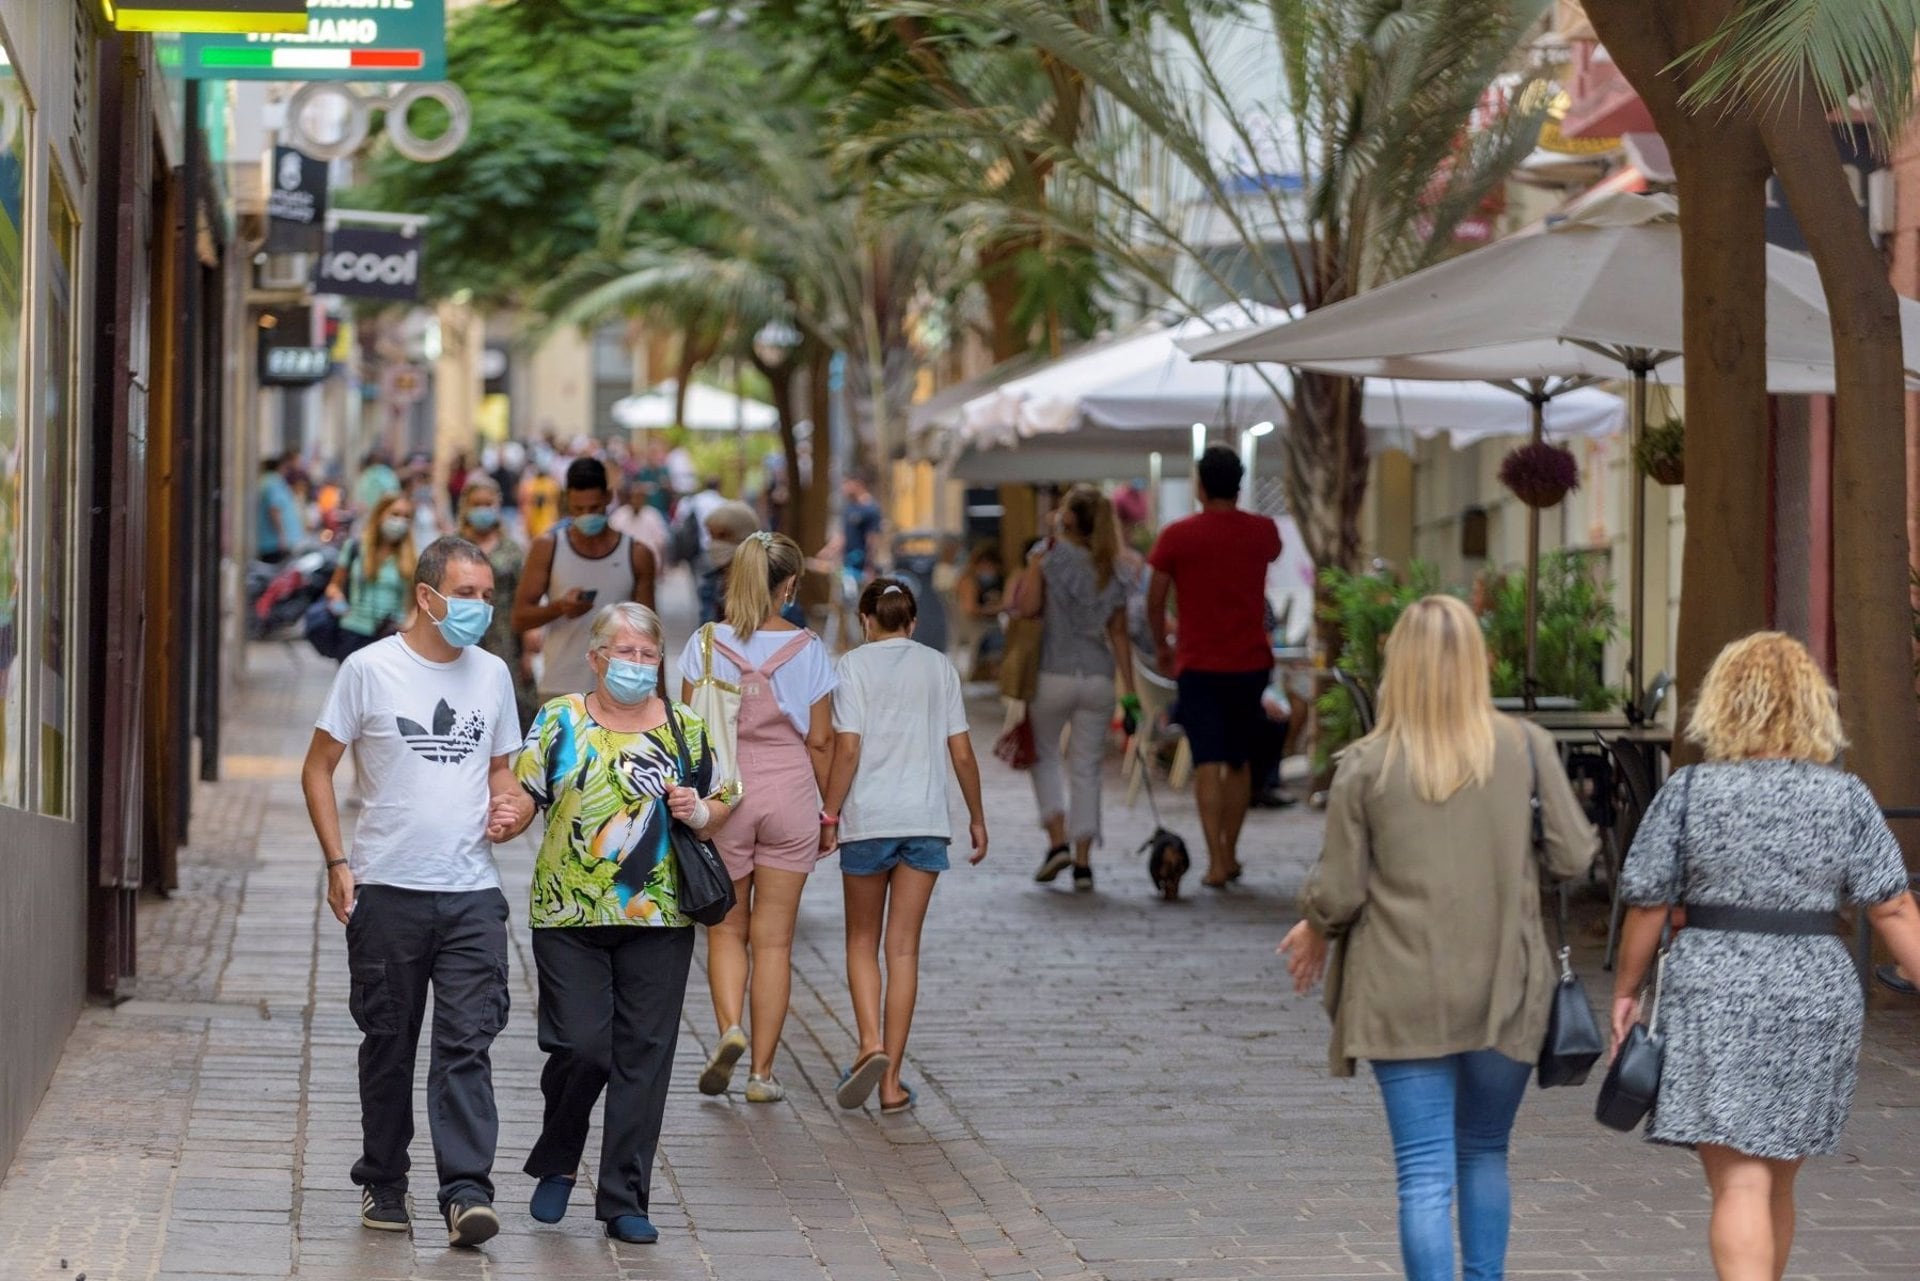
(1577, 621)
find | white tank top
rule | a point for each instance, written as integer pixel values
(563, 668)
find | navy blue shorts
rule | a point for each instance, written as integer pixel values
(1221, 715)
(882, 854)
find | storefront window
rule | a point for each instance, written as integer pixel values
(54, 582)
(13, 152)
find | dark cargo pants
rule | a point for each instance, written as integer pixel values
(399, 941)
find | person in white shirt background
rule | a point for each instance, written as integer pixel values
(430, 718)
(898, 718)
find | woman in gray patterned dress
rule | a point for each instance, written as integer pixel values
(1760, 1005)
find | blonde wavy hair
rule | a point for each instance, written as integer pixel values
(1436, 699)
(1765, 697)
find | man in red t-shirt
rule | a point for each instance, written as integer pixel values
(1215, 564)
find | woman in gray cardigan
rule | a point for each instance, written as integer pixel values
(1430, 883)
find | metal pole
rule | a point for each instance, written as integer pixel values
(1636, 602)
(1537, 403)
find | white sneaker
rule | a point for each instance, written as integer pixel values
(764, 1089)
(719, 1071)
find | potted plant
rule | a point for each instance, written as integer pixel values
(1540, 474)
(1662, 452)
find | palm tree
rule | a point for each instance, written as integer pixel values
(1741, 88)
(1179, 170)
(770, 234)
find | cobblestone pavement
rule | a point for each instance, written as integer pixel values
(1110, 1087)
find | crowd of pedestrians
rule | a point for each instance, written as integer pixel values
(523, 684)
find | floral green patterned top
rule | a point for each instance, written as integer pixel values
(605, 859)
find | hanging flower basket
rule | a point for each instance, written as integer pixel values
(1540, 474)
(1662, 452)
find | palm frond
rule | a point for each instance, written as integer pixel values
(1771, 53)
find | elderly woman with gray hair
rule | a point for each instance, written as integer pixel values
(611, 769)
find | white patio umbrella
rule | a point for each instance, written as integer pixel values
(1143, 381)
(707, 409)
(1595, 296)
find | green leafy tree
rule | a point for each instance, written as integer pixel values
(558, 88)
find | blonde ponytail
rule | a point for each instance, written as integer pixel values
(1094, 519)
(761, 566)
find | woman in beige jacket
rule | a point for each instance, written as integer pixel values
(1430, 883)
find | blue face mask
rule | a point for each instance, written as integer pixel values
(592, 524)
(483, 517)
(466, 622)
(630, 682)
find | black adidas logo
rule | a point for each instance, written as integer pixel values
(452, 739)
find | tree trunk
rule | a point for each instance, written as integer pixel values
(1326, 476)
(1721, 171)
(1000, 282)
(1872, 619)
(779, 376)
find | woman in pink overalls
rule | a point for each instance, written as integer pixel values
(785, 742)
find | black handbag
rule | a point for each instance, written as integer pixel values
(1632, 1085)
(1573, 1044)
(705, 890)
(1633, 1082)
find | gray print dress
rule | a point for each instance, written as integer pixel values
(1762, 1031)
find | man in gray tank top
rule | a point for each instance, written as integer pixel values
(574, 570)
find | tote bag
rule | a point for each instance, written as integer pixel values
(717, 704)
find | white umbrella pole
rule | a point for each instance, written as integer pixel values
(1537, 403)
(1636, 602)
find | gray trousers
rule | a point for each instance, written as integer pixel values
(399, 941)
(1083, 705)
(610, 998)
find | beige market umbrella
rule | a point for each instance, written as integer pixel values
(1596, 296)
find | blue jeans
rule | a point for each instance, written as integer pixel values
(1450, 1118)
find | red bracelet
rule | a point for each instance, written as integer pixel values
(829, 820)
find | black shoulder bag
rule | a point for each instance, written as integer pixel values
(1633, 1082)
(1573, 1043)
(705, 889)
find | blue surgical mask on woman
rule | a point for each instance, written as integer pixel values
(483, 518)
(395, 528)
(592, 524)
(467, 619)
(630, 682)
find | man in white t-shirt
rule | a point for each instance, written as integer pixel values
(432, 723)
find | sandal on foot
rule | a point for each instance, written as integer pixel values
(904, 1105)
(858, 1081)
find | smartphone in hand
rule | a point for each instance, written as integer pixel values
(589, 596)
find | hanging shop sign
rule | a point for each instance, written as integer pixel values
(293, 366)
(339, 40)
(231, 17)
(358, 263)
(296, 202)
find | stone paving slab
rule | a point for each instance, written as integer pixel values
(1110, 1087)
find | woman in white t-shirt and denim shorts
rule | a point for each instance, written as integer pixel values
(896, 714)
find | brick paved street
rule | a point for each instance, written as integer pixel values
(1110, 1087)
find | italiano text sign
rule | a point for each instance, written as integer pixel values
(375, 40)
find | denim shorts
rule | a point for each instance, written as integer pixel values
(882, 854)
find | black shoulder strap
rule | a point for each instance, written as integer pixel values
(1540, 840)
(679, 743)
